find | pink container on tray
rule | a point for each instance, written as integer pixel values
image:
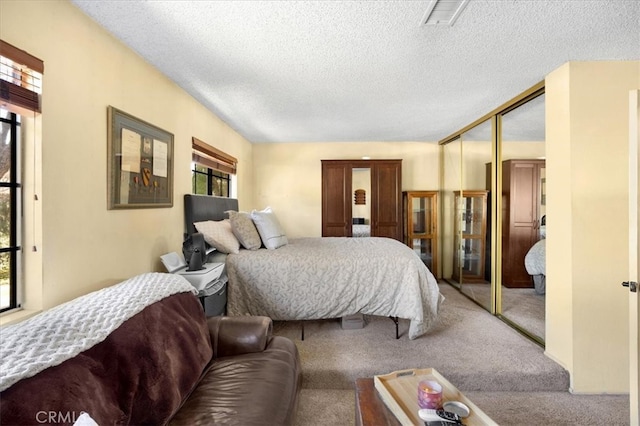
(429, 394)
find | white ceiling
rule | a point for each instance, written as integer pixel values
(297, 71)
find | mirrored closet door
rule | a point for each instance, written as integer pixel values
(493, 212)
(475, 243)
(522, 139)
(467, 244)
(451, 181)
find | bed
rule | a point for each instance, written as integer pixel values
(535, 264)
(360, 227)
(322, 278)
(358, 230)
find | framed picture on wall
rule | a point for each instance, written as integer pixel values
(139, 163)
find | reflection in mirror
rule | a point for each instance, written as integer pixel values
(452, 181)
(475, 243)
(361, 212)
(524, 218)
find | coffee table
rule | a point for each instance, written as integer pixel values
(392, 400)
(370, 409)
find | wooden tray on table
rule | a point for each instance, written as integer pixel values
(399, 391)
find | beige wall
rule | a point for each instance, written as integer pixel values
(587, 248)
(82, 246)
(85, 246)
(288, 176)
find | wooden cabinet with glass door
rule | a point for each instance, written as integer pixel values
(421, 226)
(470, 236)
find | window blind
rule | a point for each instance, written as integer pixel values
(208, 156)
(20, 79)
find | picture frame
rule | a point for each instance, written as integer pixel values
(139, 163)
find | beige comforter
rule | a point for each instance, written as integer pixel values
(315, 278)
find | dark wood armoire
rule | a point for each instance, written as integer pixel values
(521, 207)
(386, 197)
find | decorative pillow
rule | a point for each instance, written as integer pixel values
(244, 229)
(219, 235)
(269, 228)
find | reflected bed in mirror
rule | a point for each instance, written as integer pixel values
(361, 231)
(535, 261)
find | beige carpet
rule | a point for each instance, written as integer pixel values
(326, 407)
(473, 349)
(506, 375)
(523, 306)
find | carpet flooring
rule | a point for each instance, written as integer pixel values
(523, 306)
(502, 372)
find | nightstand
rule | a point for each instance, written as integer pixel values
(211, 290)
(214, 299)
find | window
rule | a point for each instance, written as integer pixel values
(10, 195)
(208, 181)
(211, 170)
(20, 96)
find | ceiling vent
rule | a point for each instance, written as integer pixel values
(443, 12)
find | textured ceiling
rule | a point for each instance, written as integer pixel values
(297, 71)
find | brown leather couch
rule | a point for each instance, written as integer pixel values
(253, 379)
(168, 364)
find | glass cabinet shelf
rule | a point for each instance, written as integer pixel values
(469, 235)
(421, 226)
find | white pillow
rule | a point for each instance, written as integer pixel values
(269, 228)
(219, 235)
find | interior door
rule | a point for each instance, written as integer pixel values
(336, 199)
(386, 199)
(634, 255)
(522, 186)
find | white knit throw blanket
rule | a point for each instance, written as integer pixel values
(60, 333)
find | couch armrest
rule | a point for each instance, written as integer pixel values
(239, 335)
